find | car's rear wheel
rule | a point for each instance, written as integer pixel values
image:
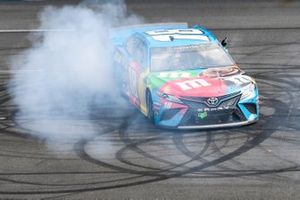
(150, 114)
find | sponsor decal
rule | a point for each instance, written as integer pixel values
(220, 72)
(202, 115)
(195, 87)
(166, 35)
(238, 80)
(191, 84)
(215, 109)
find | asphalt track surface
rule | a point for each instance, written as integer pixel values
(138, 161)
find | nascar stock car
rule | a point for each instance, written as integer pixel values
(181, 77)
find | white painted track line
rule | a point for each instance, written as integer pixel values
(33, 30)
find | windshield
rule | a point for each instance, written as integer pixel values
(206, 55)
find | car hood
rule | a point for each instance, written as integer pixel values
(212, 82)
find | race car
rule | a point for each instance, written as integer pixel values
(183, 77)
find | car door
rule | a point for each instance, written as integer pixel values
(137, 56)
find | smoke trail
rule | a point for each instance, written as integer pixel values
(65, 72)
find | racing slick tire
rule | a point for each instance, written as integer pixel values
(149, 102)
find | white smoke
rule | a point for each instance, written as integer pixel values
(67, 70)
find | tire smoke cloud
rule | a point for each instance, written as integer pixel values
(68, 70)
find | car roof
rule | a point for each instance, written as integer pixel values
(177, 37)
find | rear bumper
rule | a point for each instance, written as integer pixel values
(226, 125)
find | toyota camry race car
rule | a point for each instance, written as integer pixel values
(181, 77)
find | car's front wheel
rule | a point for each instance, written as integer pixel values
(150, 114)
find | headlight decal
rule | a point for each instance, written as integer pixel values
(169, 97)
(248, 92)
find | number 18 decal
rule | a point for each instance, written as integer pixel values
(133, 82)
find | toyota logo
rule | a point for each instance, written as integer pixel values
(212, 101)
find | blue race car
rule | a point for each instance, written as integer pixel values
(181, 77)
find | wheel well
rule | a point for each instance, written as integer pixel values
(149, 115)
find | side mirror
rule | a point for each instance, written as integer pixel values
(224, 42)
